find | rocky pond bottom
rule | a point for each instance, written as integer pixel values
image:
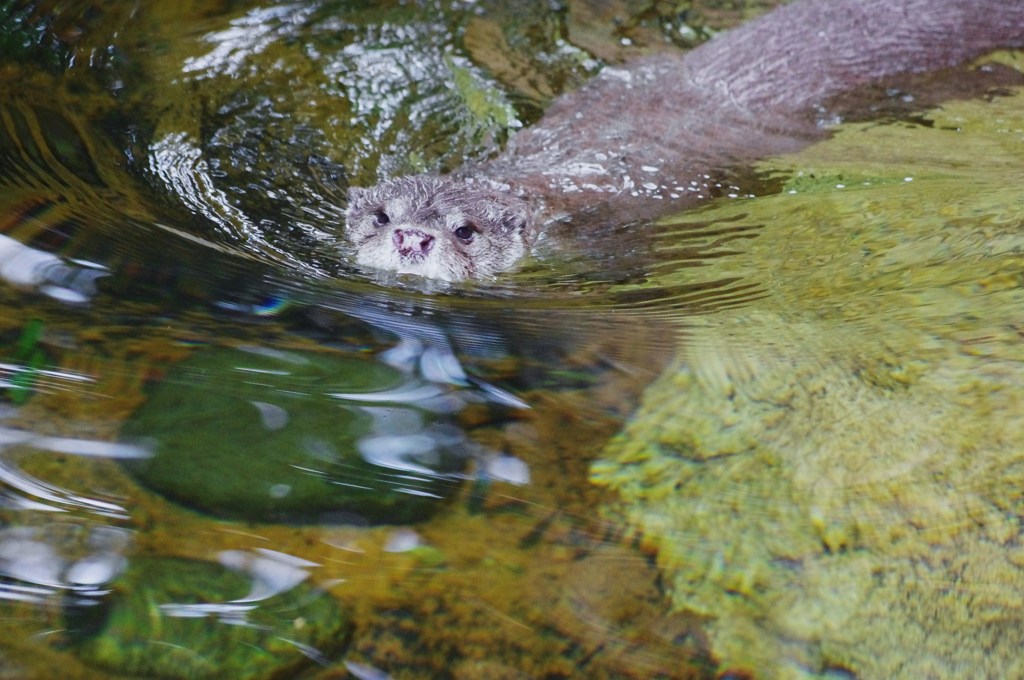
(834, 476)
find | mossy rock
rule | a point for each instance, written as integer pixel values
(832, 473)
(176, 618)
(263, 435)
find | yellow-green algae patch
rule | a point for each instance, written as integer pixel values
(835, 473)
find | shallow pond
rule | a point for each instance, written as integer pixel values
(779, 436)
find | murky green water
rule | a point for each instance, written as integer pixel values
(778, 436)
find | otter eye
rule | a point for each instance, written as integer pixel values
(466, 232)
(380, 218)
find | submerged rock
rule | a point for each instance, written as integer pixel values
(177, 618)
(833, 473)
(262, 435)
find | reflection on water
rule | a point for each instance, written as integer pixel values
(227, 452)
(24, 492)
(42, 565)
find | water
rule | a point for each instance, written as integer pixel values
(761, 438)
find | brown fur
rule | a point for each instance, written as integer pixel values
(656, 134)
(435, 209)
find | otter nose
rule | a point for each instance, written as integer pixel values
(412, 242)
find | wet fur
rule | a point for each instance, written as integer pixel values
(438, 206)
(657, 134)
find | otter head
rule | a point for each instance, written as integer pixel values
(436, 227)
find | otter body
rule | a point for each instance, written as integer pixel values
(656, 135)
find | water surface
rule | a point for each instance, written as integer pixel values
(227, 449)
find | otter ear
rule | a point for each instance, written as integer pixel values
(355, 196)
(518, 221)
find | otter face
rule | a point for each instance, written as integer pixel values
(436, 227)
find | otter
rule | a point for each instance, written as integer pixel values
(659, 134)
(437, 227)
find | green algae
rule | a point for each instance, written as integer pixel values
(176, 618)
(28, 358)
(485, 104)
(833, 473)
